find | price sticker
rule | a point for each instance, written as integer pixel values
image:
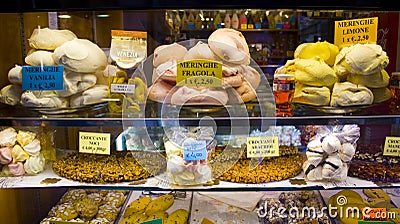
(262, 146)
(205, 73)
(42, 77)
(123, 88)
(154, 221)
(361, 31)
(194, 150)
(392, 146)
(94, 143)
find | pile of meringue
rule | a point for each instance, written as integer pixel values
(329, 153)
(180, 171)
(84, 67)
(20, 153)
(225, 45)
(326, 75)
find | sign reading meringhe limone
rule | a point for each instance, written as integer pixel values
(262, 146)
(392, 146)
(94, 143)
(356, 31)
(199, 72)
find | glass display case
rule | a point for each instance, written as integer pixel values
(199, 112)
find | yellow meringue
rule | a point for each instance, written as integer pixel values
(18, 154)
(25, 137)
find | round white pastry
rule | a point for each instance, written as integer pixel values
(15, 75)
(33, 147)
(8, 137)
(347, 152)
(40, 58)
(11, 94)
(331, 144)
(81, 55)
(35, 164)
(49, 39)
(164, 53)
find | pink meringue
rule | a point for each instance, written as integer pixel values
(33, 147)
(16, 169)
(5, 155)
(8, 137)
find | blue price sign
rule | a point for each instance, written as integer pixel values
(42, 77)
(194, 150)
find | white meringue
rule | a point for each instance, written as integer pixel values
(347, 152)
(331, 144)
(39, 58)
(35, 164)
(11, 94)
(8, 137)
(49, 39)
(15, 75)
(33, 148)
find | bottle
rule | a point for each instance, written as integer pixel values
(278, 20)
(227, 20)
(218, 21)
(184, 22)
(235, 21)
(264, 21)
(257, 20)
(243, 21)
(198, 22)
(283, 89)
(210, 20)
(293, 21)
(271, 20)
(250, 21)
(191, 21)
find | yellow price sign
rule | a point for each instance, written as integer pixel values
(199, 72)
(361, 31)
(94, 143)
(392, 146)
(262, 146)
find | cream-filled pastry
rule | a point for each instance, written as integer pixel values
(16, 169)
(18, 154)
(8, 137)
(35, 164)
(33, 147)
(349, 94)
(5, 155)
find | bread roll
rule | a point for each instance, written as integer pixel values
(314, 72)
(311, 95)
(44, 58)
(49, 39)
(349, 94)
(230, 45)
(204, 96)
(164, 53)
(375, 80)
(81, 55)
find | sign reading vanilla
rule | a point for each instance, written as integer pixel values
(94, 143)
(262, 146)
(42, 77)
(199, 72)
(355, 31)
(392, 146)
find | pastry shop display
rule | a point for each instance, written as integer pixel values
(84, 64)
(330, 151)
(369, 163)
(180, 145)
(20, 153)
(231, 164)
(292, 205)
(170, 207)
(77, 205)
(115, 168)
(224, 45)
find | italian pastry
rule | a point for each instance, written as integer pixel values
(200, 51)
(164, 53)
(312, 95)
(160, 91)
(75, 82)
(330, 152)
(16, 169)
(49, 39)
(19, 154)
(381, 94)
(366, 59)
(80, 55)
(91, 95)
(349, 94)
(166, 72)
(11, 94)
(33, 147)
(40, 58)
(46, 98)
(379, 79)
(324, 50)
(314, 72)
(199, 96)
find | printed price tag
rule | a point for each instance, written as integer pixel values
(194, 150)
(154, 221)
(356, 31)
(392, 146)
(123, 88)
(94, 143)
(42, 77)
(197, 72)
(262, 146)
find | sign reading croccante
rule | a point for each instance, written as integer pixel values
(356, 31)
(198, 72)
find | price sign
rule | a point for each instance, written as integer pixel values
(392, 146)
(42, 77)
(355, 31)
(198, 72)
(154, 221)
(94, 143)
(122, 88)
(262, 146)
(194, 150)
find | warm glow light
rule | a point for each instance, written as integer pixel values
(64, 16)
